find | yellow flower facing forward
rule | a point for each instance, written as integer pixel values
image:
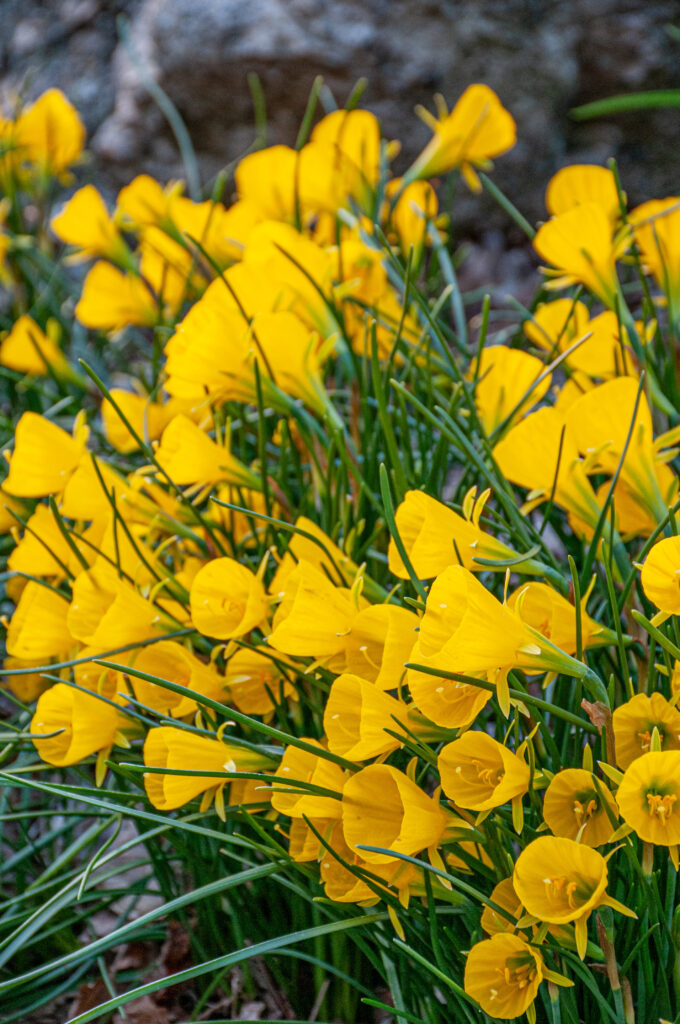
(28, 349)
(477, 129)
(227, 599)
(44, 456)
(503, 974)
(39, 628)
(174, 748)
(600, 422)
(466, 630)
(635, 721)
(581, 248)
(649, 797)
(356, 718)
(382, 807)
(479, 773)
(583, 183)
(190, 457)
(660, 576)
(560, 881)
(546, 611)
(49, 134)
(88, 725)
(85, 223)
(436, 537)
(507, 385)
(656, 225)
(575, 808)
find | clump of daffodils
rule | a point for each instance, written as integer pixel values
(331, 556)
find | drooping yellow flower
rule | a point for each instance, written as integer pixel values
(353, 138)
(253, 681)
(39, 626)
(479, 773)
(446, 702)
(44, 551)
(660, 575)
(436, 537)
(477, 129)
(649, 797)
(559, 881)
(382, 807)
(635, 721)
(298, 766)
(144, 202)
(89, 725)
(49, 134)
(44, 456)
(356, 716)
(583, 183)
(656, 225)
(26, 687)
(174, 748)
(227, 599)
(379, 644)
(111, 300)
(507, 385)
(28, 349)
(345, 886)
(266, 178)
(85, 223)
(504, 896)
(189, 456)
(174, 662)
(149, 419)
(503, 974)
(581, 248)
(574, 807)
(106, 611)
(416, 205)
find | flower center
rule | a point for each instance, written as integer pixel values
(584, 810)
(660, 806)
(560, 890)
(646, 738)
(487, 774)
(519, 971)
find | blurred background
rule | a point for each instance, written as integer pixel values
(543, 57)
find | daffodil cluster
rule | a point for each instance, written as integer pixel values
(331, 552)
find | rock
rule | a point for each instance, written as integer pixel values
(541, 56)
